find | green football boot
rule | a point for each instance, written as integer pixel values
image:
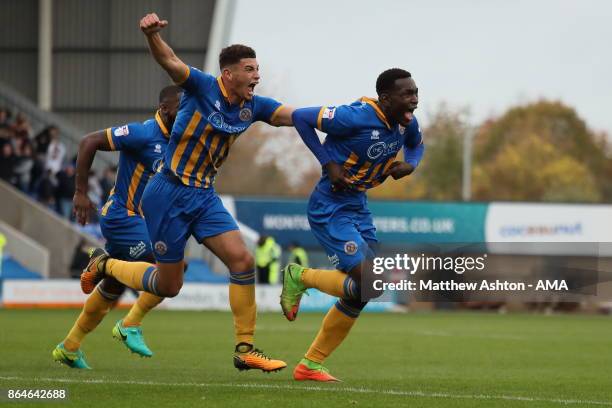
(133, 339)
(308, 370)
(293, 289)
(73, 359)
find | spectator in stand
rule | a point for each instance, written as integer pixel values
(7, 163)
(5, 126)
(23, 164)
(43, 139)
(21, 127)
(5, 115)
(94, 194)
(55, 153)
(65, 191)
(46, 190)
(41, 145)
(108, 182)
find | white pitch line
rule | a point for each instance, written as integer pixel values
(421, 394)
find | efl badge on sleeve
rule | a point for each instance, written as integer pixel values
(122, 131)
(328, 113)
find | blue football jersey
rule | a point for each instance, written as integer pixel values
(206, 127)
(142, 146)
(360, 138)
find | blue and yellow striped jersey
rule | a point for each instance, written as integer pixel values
(142, 146)
(207, 125)
(360, 137)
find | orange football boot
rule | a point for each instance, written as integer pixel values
(246, 358)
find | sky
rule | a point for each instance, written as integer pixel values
(484, 55)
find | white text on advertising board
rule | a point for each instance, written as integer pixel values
(415, 225)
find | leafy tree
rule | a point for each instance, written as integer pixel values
(532, 169)
(541, 152)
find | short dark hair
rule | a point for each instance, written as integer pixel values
(386, 80)
(169, 92)
(234, 53)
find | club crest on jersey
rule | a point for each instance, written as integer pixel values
(375, 135)
(350, 248)
(122, 131)
(245, 114)
(160, 247)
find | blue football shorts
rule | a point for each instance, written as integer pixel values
(174, 211)
(343, 226)
(126, 236)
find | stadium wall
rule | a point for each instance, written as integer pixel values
(26, 251)
(503, 226)
(50, 231)
(100, 72)
(62, 293)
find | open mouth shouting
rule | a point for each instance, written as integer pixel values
(251, 89)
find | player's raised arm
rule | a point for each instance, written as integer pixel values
(305, 121)
(163, 54)
(88, 147)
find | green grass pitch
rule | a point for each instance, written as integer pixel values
(389, 360)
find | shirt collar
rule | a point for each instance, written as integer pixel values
(224, 91)
(379, 113)
(161, 124)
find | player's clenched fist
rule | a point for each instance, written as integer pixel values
(151, 24)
